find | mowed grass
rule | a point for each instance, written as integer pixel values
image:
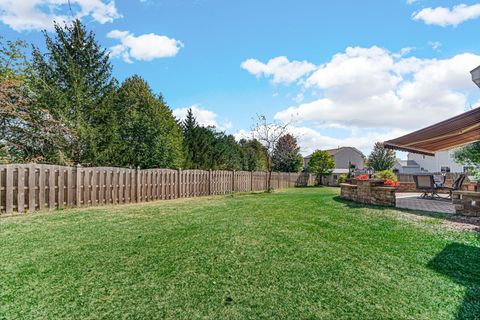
(293, 254)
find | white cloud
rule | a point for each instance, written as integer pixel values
(443, 17)
(203, 116)
(370, 88)
(23, 15)
(436, 45)
(145, 47)
(280, 68)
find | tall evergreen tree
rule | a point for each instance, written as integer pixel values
(286, 156)
(227, 153)
(381, 159)
(148, 134)
(205, 148)
(254, 157)
(192, 142)
(73, 81)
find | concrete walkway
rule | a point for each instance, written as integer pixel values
(412, 201)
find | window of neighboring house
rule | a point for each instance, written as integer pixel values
(445, 169)
(334, 177)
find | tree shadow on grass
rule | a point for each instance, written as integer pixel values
(461, 263)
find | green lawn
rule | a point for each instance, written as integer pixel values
(293, 254)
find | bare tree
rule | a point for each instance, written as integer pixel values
(268, 133)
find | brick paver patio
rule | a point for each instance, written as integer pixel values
(412, 201)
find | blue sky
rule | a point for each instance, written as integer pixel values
(342, 72)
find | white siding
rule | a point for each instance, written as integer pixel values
(435, 164)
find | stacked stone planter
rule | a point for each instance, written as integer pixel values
(467, 203)
(371, 191)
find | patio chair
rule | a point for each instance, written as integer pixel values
(426, 184)
(439, 180)
(456, 185)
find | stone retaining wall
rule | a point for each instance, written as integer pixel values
(467, 203)
(369, 192)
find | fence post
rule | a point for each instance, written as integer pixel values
(210, 182)
(233, 181)
(78, 184)
(179, 182)
(251, 180)
(138, 184)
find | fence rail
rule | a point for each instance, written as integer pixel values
(31, 187)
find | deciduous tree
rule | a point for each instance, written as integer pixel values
(254, 157)
(27, 131)
(268, 133)
(321, 163)
(469, 155)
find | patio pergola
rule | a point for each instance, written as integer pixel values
(454, 132)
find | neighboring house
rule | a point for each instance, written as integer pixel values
(332, 180)
(443, 161)
(406, 166)
(345, 158)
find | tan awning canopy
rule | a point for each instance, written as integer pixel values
(454, 132)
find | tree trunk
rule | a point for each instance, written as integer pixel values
(269, 180)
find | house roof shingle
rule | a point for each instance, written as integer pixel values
(408, 163)
(333, 152)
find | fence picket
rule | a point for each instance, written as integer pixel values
(69, 187)
(78, 184)
(61, 187)
(20, 189)
(32, 190)
(41, 188)
(9, 189)
(51, 187)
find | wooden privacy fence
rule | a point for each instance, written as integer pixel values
(31, 187)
